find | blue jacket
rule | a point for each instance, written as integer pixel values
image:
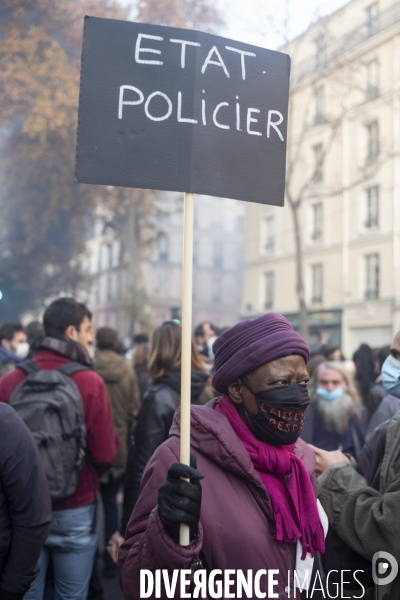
(8, 356)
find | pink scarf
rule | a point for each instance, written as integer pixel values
(295, 509)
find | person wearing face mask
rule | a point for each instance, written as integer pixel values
(250, 499)
(14, 346)
(391, 381)
(336, 419)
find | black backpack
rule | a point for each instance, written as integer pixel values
(50, 404)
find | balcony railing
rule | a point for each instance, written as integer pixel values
(348, 42)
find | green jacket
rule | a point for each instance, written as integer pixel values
(366, 519)
(123, 389)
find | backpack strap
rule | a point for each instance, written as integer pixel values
(28, 367)
(70, 368)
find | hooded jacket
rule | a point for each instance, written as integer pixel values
(123, 390)
(236, 529)
(151, 428)
(367, 519)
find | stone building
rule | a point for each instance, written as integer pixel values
(344, 169)
(217, 272)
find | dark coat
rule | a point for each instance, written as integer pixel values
(375, 396)
(350, 441)
(236, 528)
(389, 406)
(151, 429)
(25, 506)
(365, 518)
(143, 379)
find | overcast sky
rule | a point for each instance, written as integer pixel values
(261, 22)
(254, 21)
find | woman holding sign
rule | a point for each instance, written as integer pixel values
(250, 499)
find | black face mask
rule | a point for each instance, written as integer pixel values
(280, 416)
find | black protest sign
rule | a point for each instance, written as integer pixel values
(180, 110)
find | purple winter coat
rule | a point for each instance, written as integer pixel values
(236, 528)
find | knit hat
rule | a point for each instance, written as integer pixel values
(252, 343)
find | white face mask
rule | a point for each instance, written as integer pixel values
(22, 349)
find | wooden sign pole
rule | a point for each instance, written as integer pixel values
(186, 366)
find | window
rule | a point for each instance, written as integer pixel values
(318, 163)
(372, 264)
(269, 290)
(321, 50)
(217, 255)
(115, 250)
(372, 207)
(269, 234)
(162, 282)
(372, 80)
(196, 217)
(239, 257)
(317, 222)
(163, 247)
(319, 105)
(104, 257)
(216, 290)
(317, 283)
(99, 257)
(109, 256)
(97, 290)
(196, 252)
(110, 285)
(372, 141)
(372, 14)
(239, 224)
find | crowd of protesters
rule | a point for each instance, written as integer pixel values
(256, 393)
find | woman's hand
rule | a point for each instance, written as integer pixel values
(113, 545)
(326, 459)
(180, 501)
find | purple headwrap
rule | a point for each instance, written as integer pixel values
(252, 343)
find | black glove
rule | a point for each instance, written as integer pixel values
(180, 501)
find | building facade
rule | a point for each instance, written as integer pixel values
(217, 270)
(343, 185)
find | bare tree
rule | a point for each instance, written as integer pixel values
(137, 213)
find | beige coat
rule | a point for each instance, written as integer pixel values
(123, 389)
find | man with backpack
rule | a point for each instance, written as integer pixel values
(66, 406)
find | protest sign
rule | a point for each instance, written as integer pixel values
(179, 110)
